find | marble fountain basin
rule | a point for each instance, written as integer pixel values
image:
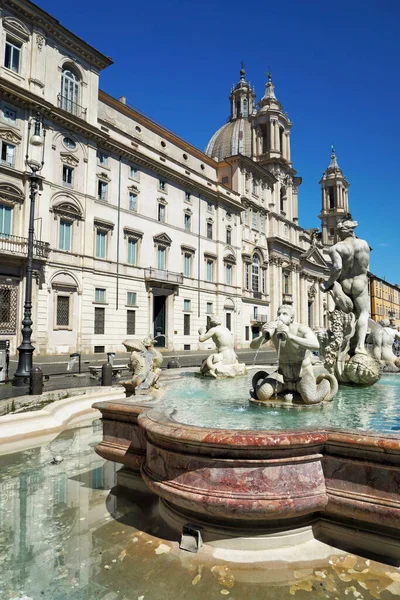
(252, 483)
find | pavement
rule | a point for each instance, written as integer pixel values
(57, 376)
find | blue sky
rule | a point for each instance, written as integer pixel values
(335, 66)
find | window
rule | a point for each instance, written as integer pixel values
(132, 251)
(209, 308)
(101, 243)
(332, 232)
(255, 273)
(130, 322)
(64, 242)
(210, 269)
(331, 196)
(186, 324)
(7, 154)
(100, 295)
(209, 206)
(9, 115)
(247, 276)
(263, 279)
(12, 56)
(247, 333)
(132, 201)
(70, 85)
(5, 220)
(225, 180)
(131, 298)
(186, 305)
(68, 176)
(286, 283)
(99, 320)
(254, 189)
(102, 190)
(62, 311)
(162, 185)
(161, 213)
(229, 321)
(254, 218)
(209, 231)
(228, 274)
(244, 107)
(133, 172)
(188, 197)
(187, 264)
(246, 217)
(69, 143)
(282, 200)
(102, 158)
(229, 236)
(255, 313)
(188, 221)
(161, 258)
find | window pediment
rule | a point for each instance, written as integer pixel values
(162, 238)
(188, 249)
(162, 200)
(69, 159)
(103, 176)
(68, 210)
(230, 259)
(10, 135)
(133, 233)
(210, 255)
(133, 188)
(10, 194)
(16, 27)
(103, 224)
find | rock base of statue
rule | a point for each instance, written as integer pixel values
(219, 370)
(359, 369)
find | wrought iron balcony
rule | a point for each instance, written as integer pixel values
(13, 244)
(151, 274)
(260, 318)
(71, 107)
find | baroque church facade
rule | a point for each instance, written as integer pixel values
(138, 232)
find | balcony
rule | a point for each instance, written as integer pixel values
(259, 318)
(257, 295)
(159, 275)
(12, 244)
(71, 107)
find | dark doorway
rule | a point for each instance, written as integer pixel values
(159, 310)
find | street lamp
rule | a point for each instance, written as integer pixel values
(34, 144)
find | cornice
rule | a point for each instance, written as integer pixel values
(38, 18)
(26, 99)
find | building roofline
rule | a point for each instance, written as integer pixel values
(140, 117)
(43, 19)
(395, 286)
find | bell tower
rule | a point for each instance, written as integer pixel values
(335, 200)
(242, 98)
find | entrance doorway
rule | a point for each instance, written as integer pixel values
(159, 312)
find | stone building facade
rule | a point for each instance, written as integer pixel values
(138, 232)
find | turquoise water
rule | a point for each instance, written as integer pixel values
(224, 404)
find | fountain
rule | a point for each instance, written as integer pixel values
(250, 484)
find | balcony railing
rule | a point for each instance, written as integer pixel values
(71, 107)
(151, 274)
(18, 245)
(260, 318)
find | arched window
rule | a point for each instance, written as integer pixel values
(245, 108)
(282, 200)
(331, 195)
(255, 273)
(70, 87)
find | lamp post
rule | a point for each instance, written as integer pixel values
(25, 350)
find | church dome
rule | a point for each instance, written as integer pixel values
(232, 138)
(235, 136)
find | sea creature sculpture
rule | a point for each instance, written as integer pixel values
(294, 343)
(145, 363)
(224, 362)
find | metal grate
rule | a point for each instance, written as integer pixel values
(186, 324)
(99, 349)
(130, 322)
(8, 309)
(62, 311)
(99, 320)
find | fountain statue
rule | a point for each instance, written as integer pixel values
(383, 337)
(343, 346)
(294, 343)
(144, 363)
(223, 362)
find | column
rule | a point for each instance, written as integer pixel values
(288, 147)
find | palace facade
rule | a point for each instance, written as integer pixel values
(138, 232)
